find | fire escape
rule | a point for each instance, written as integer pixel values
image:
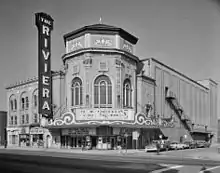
(175, 105)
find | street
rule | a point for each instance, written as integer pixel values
(27, 160)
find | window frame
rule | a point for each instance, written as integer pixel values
(98, 92)
(127, 94)
(76, 90)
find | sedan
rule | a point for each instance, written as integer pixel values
(176, 145)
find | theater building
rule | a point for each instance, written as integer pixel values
(106, 96)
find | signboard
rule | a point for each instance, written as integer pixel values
(125, 45)
(75, 44)
(36, 130)
(44, 24)
(103, 41)
(104, 114)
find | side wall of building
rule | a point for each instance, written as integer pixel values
(3, 123)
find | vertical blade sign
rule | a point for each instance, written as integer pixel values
(44, 24)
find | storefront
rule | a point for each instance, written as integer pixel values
(24, 137)
(36, 135)
(13, 136)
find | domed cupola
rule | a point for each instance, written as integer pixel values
(99, 37)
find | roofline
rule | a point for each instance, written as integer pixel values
(92, 28)
(181, 74)
(32, 80)
(89, 50)
(146, 77)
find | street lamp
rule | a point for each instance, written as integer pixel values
(126, 137)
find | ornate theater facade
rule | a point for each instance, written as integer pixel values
(105, 96)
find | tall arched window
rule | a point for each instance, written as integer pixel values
(127, 92)
(11, 105)
(22, 103)
(15, 104)
(35, 98)
(76, 92)
(26, 102)
(102, 92)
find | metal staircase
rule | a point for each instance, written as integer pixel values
(175, 105)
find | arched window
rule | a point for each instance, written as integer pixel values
(15, 104)
(35, 100)
(76, 92)
(127, 92)
(22, 103)
(102, 92)
(11, 105)
(26, 102)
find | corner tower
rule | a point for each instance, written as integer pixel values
(100, 67)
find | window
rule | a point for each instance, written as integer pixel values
(103, 66)
(22, 103)
(35, 100)
(27, 102)
(102, 92)
(27, 118)
(15, 120)
(12, 119)
(11, 104)
(22, 119)
(76, 92)
(15, 104)
(127, 93)
(35, 118)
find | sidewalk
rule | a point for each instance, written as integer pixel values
(201, 153)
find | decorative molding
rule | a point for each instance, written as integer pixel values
(69, 118)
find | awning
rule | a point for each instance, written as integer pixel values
(201, 131)
(175, 134)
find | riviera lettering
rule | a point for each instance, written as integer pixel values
(45, 25)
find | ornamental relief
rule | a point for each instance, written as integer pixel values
(112, 118)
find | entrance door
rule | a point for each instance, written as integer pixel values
(48, 141)
(94, 143)
(112, 141)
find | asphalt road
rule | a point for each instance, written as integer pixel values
(22, 161)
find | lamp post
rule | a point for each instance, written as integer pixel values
(126, 141)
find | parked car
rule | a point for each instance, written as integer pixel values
(151, 147)
(164, 145)
(185, 145)
(207, 144)
(200, 144)
(176, 145)
(191, 144)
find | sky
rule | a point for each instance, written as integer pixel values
(184, 34)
